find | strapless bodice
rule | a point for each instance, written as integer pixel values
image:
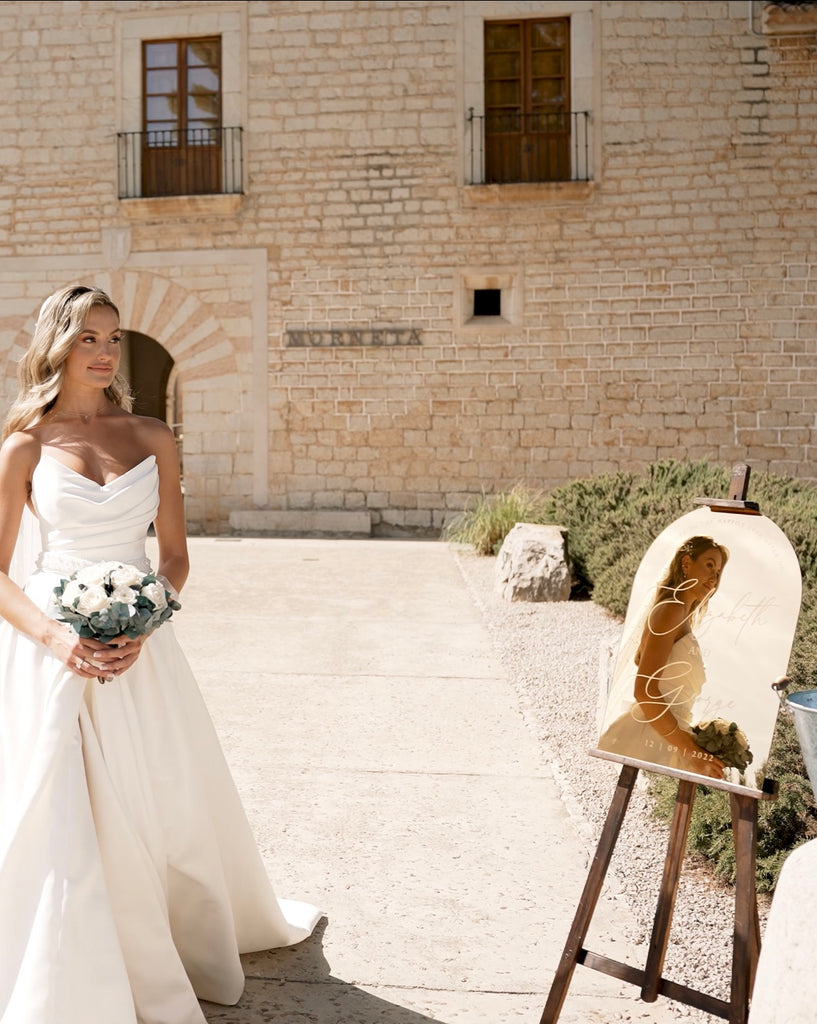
(85, 521)
(682, 680)
(631, 729)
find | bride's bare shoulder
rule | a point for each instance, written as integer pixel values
(150, 426)
(155, 435)
(20, 452)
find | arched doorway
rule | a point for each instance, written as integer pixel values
(147, 367)
(150, 370)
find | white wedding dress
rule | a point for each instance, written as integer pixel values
(129, 878)
(679, 685)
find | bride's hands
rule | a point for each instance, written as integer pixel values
(92, 659)
(112, 659)
(74, 652)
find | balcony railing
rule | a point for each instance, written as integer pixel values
(515, 147)
(193, 162)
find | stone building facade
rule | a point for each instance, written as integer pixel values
(363, 329)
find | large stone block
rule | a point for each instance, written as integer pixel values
(532, 564)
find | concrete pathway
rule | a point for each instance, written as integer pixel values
(390, 779)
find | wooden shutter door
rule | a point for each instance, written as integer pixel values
(181, 151)
(527, 100)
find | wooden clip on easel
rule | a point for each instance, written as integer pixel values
(744, 812)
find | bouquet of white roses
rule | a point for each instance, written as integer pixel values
(726, 741)
(110, 599)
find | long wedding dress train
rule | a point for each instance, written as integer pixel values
(129, 878)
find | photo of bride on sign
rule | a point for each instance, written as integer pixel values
(702, 642)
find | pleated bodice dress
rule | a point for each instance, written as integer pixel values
(130, 881)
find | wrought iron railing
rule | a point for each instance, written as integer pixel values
(515, 147)
(196, 161)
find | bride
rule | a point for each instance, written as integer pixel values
(129, 879)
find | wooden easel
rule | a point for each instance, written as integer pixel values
(746, 935)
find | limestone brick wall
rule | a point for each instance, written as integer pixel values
(668, 308)
(670, 313)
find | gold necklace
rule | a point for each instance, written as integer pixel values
(84, 417)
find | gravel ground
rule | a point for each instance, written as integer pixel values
(555, 655)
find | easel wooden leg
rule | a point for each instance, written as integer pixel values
(747, 925)
(590, 895)
(669, 887)
(746, 938)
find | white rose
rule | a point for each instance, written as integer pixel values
(93, 575)
(123, 594)
(126, 576)
(155, 593)
(70, 593)
(92, 599)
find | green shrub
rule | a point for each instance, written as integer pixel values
(492, 517)
(783, 824)
(611, 520)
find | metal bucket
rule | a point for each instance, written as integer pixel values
(803, 706)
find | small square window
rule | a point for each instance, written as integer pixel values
(488, 298)
(487, 302)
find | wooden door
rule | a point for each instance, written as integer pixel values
(182, 145)
(527, 100)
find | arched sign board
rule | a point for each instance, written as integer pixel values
(743, 640)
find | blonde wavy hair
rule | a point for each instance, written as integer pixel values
(674, 580)
(40, 371)
(674, 577)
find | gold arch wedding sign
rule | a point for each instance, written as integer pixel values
(718, 683)
(736, 650)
